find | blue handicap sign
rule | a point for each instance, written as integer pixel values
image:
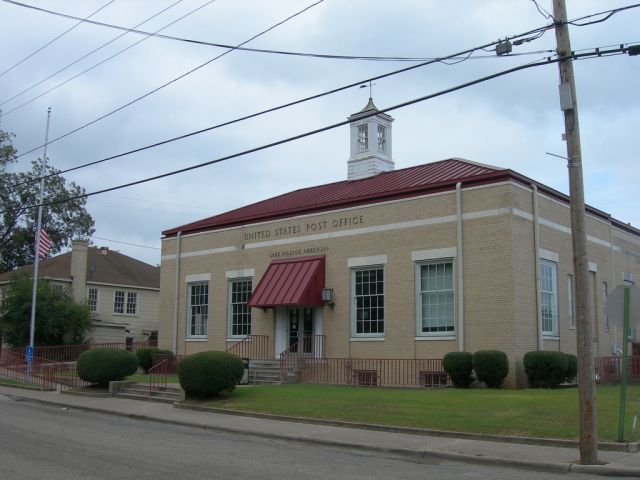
(29, 354)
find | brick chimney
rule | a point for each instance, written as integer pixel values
(79, 270)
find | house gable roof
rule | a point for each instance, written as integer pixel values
(113, 268)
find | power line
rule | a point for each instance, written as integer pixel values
(122, 107)
(124, 243)
(80, 22)
(80, 59)
(286, 105)
(608, 14)
(547, 61)
(105, 60)
(284, 52)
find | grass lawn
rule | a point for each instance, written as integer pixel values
(145, 378)
(534, 412)
(9, 381)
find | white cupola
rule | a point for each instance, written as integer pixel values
(370, 143)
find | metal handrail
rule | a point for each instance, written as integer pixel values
(314, 346)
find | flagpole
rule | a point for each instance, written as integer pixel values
(32, 326)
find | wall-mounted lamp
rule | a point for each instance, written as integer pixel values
(327, 297)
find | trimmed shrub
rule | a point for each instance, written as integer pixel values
(104, 365)
(206, 374)
(459, 366)
(491, 367)
(145, 356)
(549, 369)
(572, 368)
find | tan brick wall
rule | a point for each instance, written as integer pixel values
(500, 309)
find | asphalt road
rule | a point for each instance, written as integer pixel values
(46, 442)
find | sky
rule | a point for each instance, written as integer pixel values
(510, 121)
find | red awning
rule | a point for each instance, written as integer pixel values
(295, 281)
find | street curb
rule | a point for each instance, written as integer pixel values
(424, 454)
(544, 442)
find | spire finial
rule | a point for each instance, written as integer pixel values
(364, 85)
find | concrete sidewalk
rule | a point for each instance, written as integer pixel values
(551, 458)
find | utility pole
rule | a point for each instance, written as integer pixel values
(569, 105)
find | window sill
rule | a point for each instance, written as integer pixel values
(435, 337)
(551, 337)
(125, 314)
(366, 339)
(204, 339)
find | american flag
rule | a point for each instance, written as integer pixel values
(45, 244)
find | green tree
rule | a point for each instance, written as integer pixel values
(18, 192)
(59, 320)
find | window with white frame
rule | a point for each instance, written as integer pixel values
(92, 299)
(57, 288)
(549, 297)
(239, 312)
(363, 138)
(367, 305)
(118, 301)
(132, 303)
(570, 306)
(197, 309)
(125, 303)
(382, 138)
(435, 310)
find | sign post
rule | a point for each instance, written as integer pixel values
(623, 308)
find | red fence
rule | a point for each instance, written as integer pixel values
(162, 365)
(43, 373)
(252, 346)
(70, 353)
(53, 367)
(608, 369)
(374, 372)
(294, 357)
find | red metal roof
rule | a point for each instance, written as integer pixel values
(407, 182)
(295, 281)
(387, 185)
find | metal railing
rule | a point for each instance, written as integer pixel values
(306, 348)
(44, 373)
(70, 353)
(252, 346)
(608, 369)
(162, 365)
(374, 372)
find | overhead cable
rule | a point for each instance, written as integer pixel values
(80, 22)
(170, 82)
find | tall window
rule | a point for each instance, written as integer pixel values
(239, 312)
(125, 302)
(132, 303)
(570, 307)
(92, 299)
(118, 301)
(382, 138)
(363, 138)
(197, 309)
(367, 308)
(435, 304)
(549, 297)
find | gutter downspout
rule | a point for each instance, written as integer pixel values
(536, 248)
(176, 297)
(460, 267)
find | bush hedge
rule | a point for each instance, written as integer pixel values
(549, 369)
(145, 356)
(491, 367)
(459, 366)
(207, 374)
(104, 365)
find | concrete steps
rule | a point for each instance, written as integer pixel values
(267, 372)
(140, 391)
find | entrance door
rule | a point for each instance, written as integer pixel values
(301, 329)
